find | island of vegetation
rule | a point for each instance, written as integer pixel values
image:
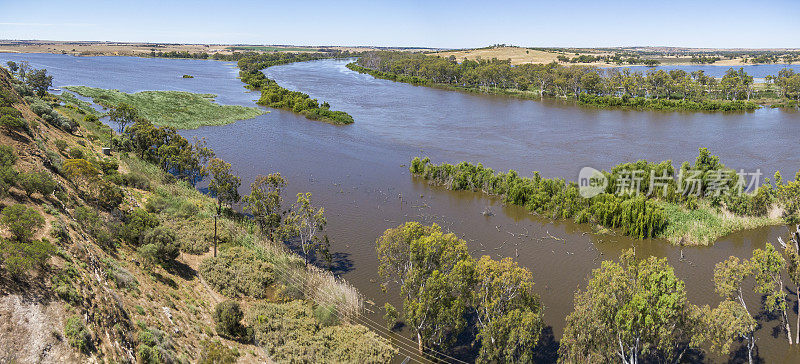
(177, 109)
(123, 260)
(588, 85)
(188, 76)
(275, 96)
(695, 205)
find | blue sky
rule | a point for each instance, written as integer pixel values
(450, 24)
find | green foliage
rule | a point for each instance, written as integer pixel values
(39, 81)
(278, 97)
(159, 245)
(63, 287)
(137, 223)
(175, 109)
(590, 85)
(7, 156)
(305, 222)
(636, 216)
(509, 313)
(224, 184)
(155, 347)
(21, 256)
(12, 122)
(290, 333)
(121, 276)
(326, 315)
(77, 334)
(631, 309)
(391, 316)
(238, 272)
(23, 222)
(40, 182)
(264, 201)
(214, 352)
(228, 320)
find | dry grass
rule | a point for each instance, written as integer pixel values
(517, 55)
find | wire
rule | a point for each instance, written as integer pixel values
(377, 326)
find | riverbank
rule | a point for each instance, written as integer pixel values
(177, 109)
(673, 89)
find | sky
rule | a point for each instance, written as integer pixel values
(437, 24)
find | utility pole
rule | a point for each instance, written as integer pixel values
(215, 235)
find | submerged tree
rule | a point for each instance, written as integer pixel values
(264, 201)
(768, 265)
(509, 313)
(630, 310)
(731, 319)
(304, 222)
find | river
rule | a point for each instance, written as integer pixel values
(358, 172)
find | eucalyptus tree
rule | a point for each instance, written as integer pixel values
(768, 266)
(264, 201)
(123, 114)
(224, 184)
(305, 222)
(630, 310)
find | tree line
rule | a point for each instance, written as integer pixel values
(631, 310)
(633, 198)
(675, 89)
(273, 95)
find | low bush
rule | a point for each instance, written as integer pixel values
(214, 352)
(23, 222)
(77, 334)
(7, 156)
(136, 224)
(237, 272)
(40, 182)
(20, 257)
(228, 320)
(159, 245)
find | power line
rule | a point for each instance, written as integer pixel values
(380, 327)
(410, 353)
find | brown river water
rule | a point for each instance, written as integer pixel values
(358, 172)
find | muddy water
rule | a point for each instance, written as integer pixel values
(359, 172)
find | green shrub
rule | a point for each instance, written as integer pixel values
(61, 145)
(326, 315)
(121, 276)
(214, 352)
(290, 333)
(10, 111)
(62, 284)
(228, 319)
(76, 153)
(237, 272)
(12, 122)
(109, 196)
(77, 334)
(20, 257)
(91, 118)
(7, 156)
(40, 182)
(21, 221)
(155, 347)
(136, 224)
(159, 245)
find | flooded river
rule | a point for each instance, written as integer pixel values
(358, 172)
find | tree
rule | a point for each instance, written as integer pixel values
(435, 274)
(629, 310)
(792, 251)
(12, 66)
(39, 81)
(304, 221)
(23, 222)
(728, 322)
(264, 201)
(768, 265)
(123, 114)
(224, 185)
(509, 313)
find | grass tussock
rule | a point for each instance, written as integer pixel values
(177, 109)
(704, 225)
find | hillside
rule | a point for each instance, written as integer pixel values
(106, 258)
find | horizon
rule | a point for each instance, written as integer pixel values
(618, 24)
